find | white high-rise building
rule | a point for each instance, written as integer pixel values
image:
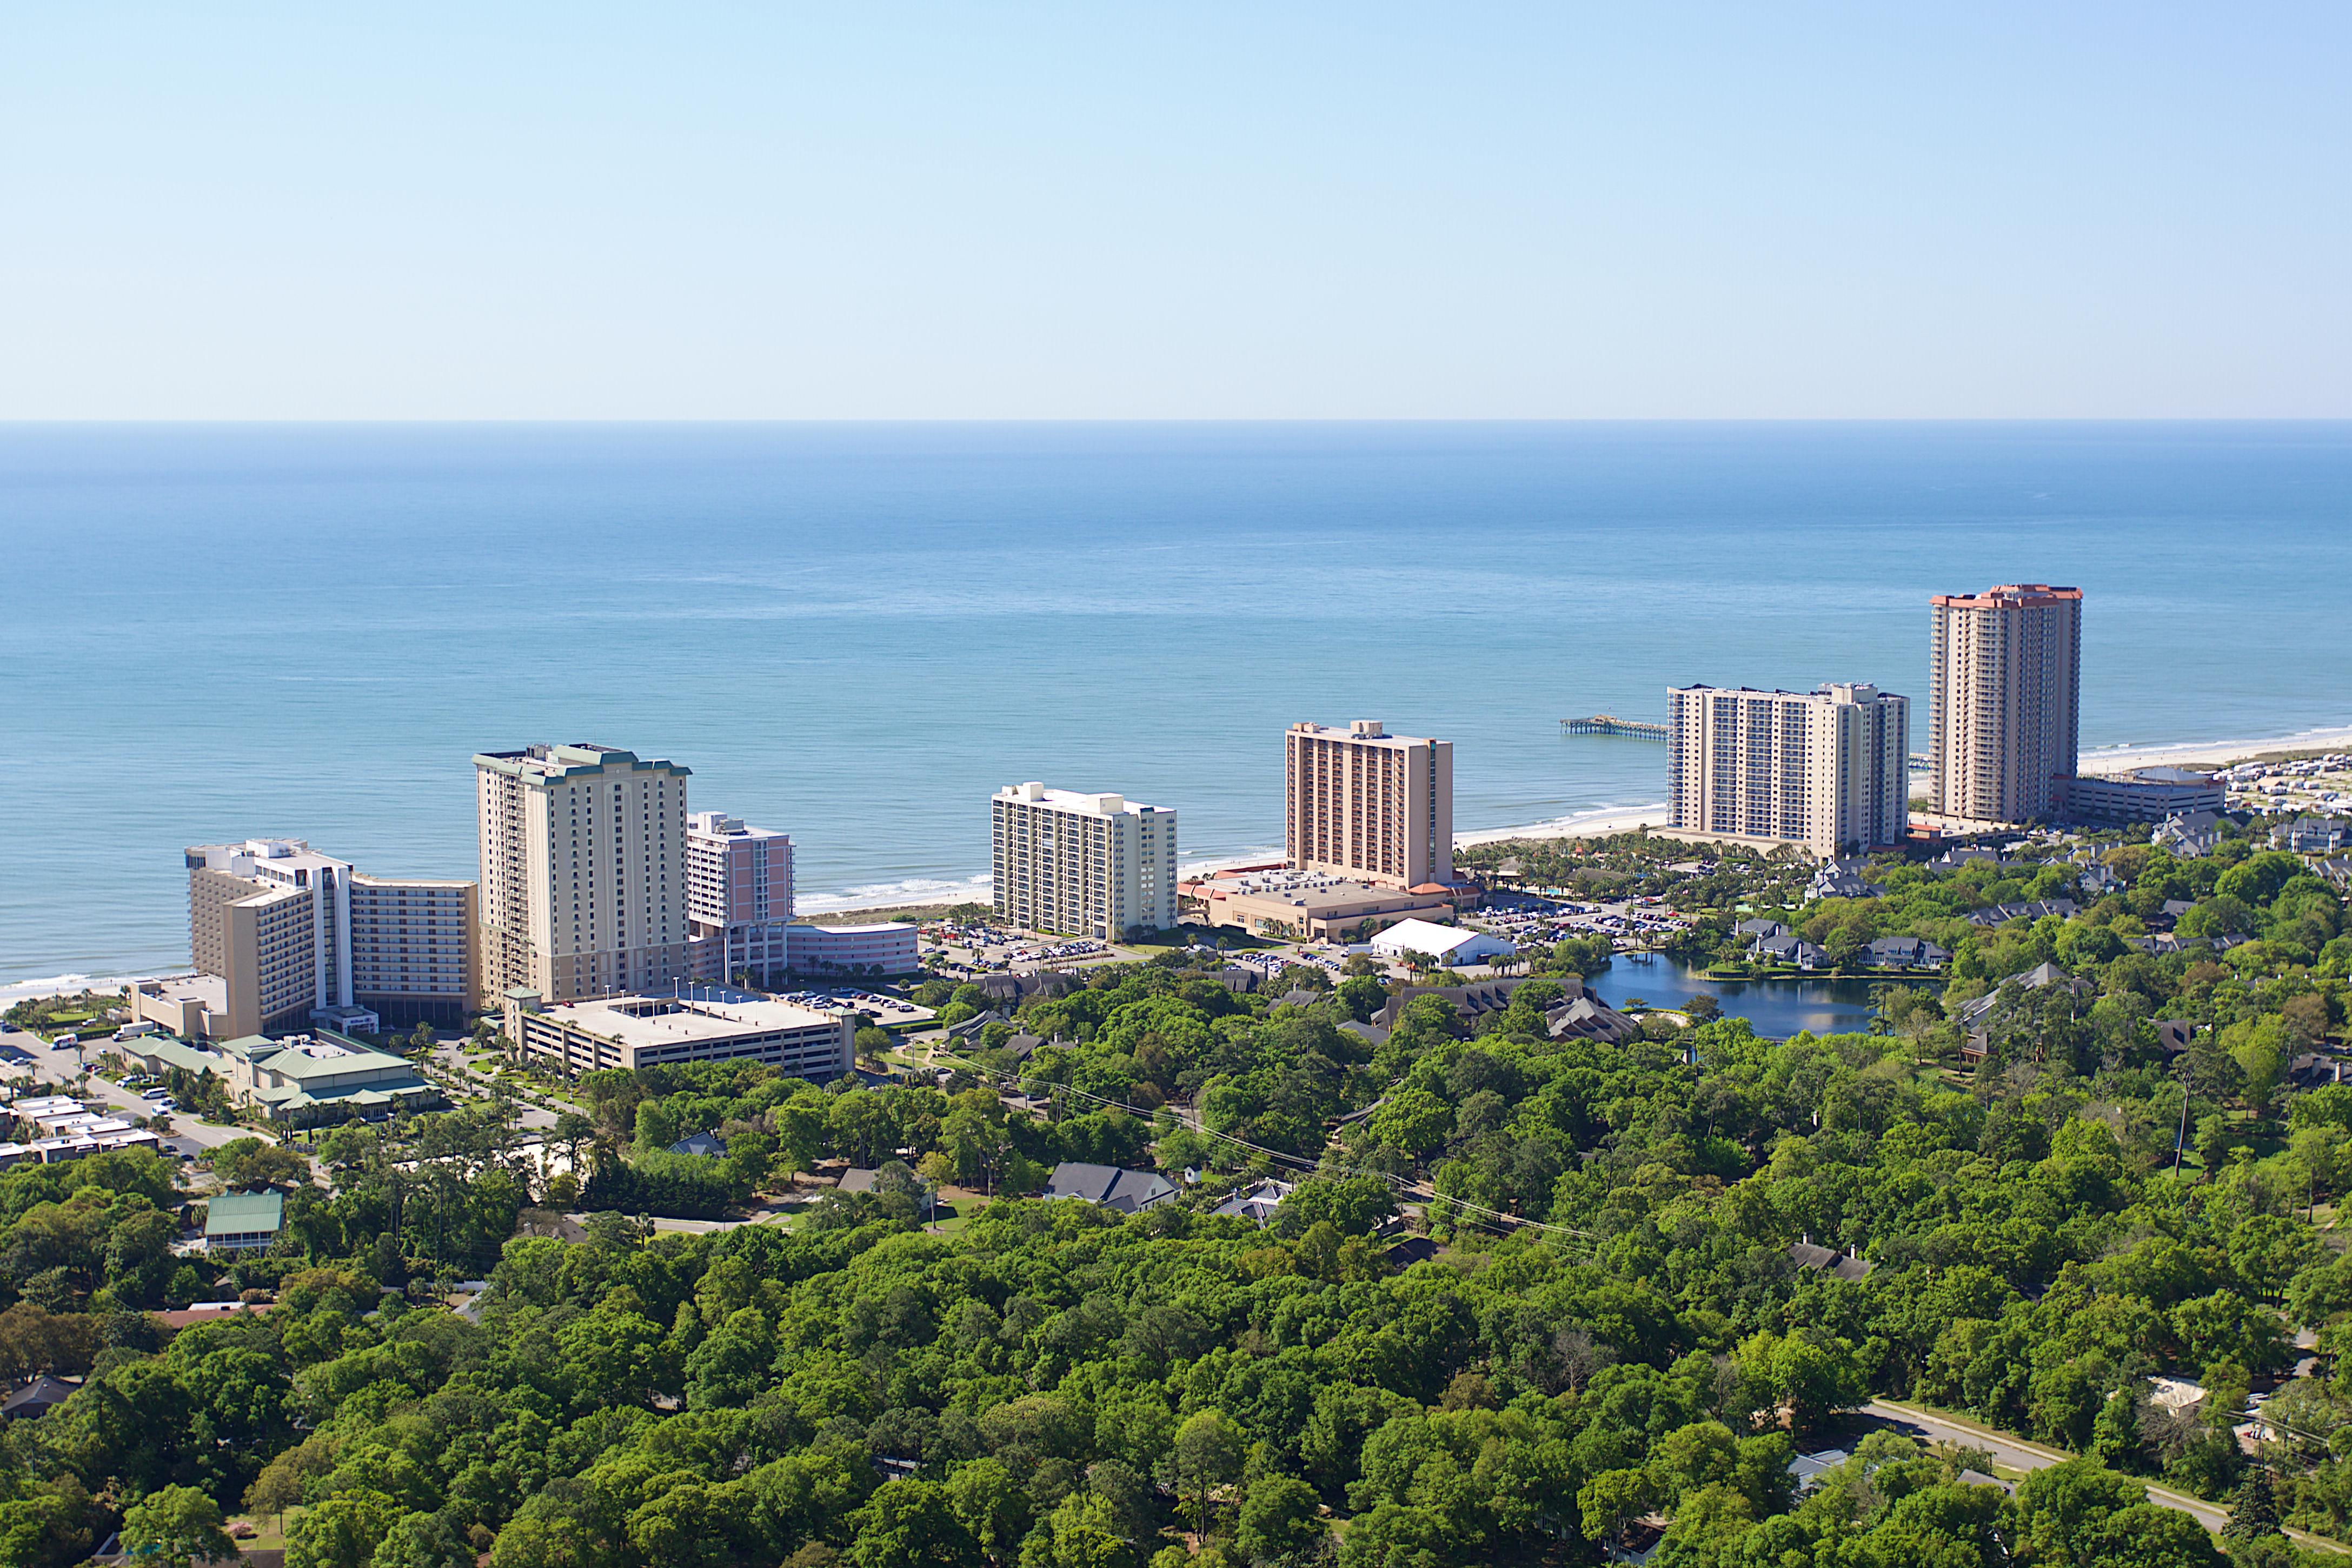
(2004, 678)
(1827, 769)
(1090, 864)
(583, 871)
(289, 937)
(1363, 803)
(738, 897)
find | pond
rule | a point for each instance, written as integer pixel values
(1778, 1008)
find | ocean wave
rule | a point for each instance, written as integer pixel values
(907, 891)
(1653, 812)
(1259, 856)
(51, 985)
(2301, 740)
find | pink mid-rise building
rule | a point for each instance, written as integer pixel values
(738, 897)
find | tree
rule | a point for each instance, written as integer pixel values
(909, 1524)
(991, 1505)
(1279, 1522)
(1206, 1454)
(1080, 1533)
(2253, 1511)
(176, 1526)
(1610, 1502)
(342, 1532)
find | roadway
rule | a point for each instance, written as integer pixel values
(2016, 1454)
(60, 1069)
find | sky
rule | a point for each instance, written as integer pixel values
(1011, 211)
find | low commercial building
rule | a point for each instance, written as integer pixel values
(2146, 795)
(1450, 946)
(195, 1006)
(243, 1222)
(696, 1024)
(298, 1081)
(882, 947)
(1308, 907)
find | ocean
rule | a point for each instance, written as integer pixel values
(856, 633)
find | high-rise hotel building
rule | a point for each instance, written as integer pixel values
(583, 871)
(1364, 804)
(738, 897)
(2004, 678)
(1090, 864)
(1827, 769)
(284, 937)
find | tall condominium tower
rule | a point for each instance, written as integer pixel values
(1361, 803)
(2004, 675)
(293, 937)
(738, 897)
(583, 871)
(1827, 769)
(1093, 865)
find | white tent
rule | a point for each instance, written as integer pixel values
(1450, 946)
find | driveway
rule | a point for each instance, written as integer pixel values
(450, 1056)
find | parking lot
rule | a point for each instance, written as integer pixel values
(1528, 920)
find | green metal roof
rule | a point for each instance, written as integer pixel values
(244, 1214)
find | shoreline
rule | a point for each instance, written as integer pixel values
(1596, 824)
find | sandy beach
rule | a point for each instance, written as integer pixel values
(2211, 753)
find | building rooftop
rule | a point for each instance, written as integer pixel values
(209, 991)
(1369, 732)
(300, 1057)
(2008, 596)
(1087, 802)
(1310, 892)
(1424, 936)
(545, 763)
(697, 1012)
(244, 1214)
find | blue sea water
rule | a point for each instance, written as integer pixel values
(856, 633)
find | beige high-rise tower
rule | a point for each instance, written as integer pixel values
(583, 871)
(1363, 803)
(1827, 769)
(2004, 678)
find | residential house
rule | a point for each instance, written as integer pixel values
(2189, 834)
(1109, 1187)
(243, 1222)
(1589, 1018)
(1843, 879)
(1258, 1203)
(1905, 953)
(1793, 949)
(2029, 909)
(1849, 1266)
(2313, 835)
(1473, 1001)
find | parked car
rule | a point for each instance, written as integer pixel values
(155, 1094)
